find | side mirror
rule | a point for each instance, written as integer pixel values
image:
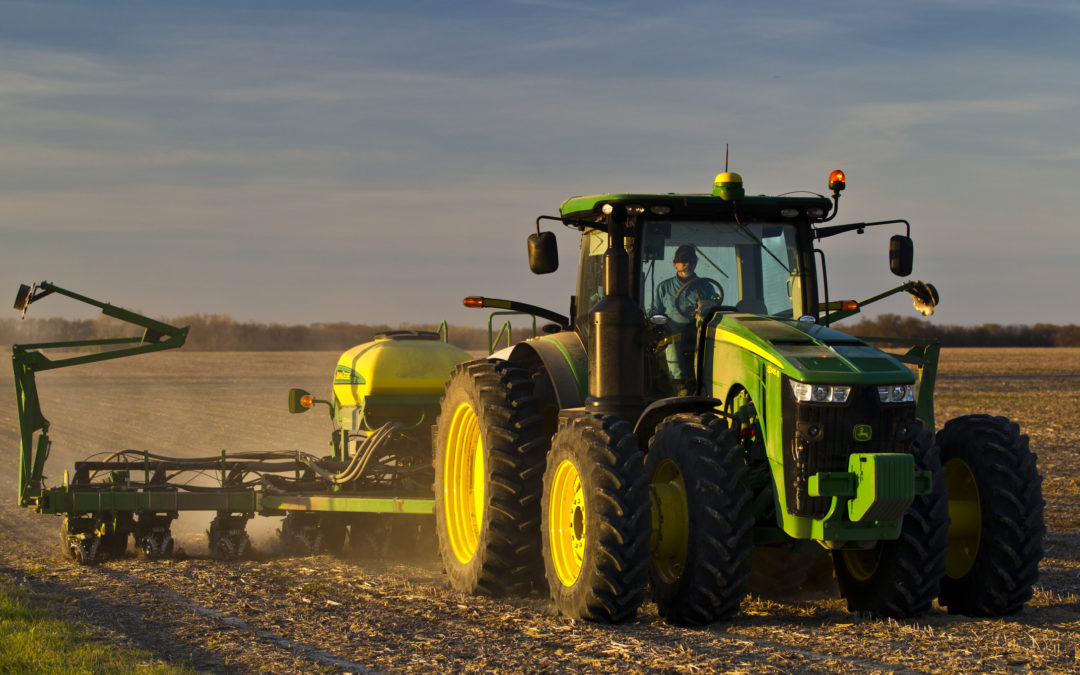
(300, 401)
(901, 254)
(543, 253)
(22, 298)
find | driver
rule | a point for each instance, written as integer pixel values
(677, 298)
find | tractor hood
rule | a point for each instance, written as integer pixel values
(810, 353)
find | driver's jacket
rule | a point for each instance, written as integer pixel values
(698, 289)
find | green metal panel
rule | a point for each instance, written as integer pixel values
(79, 501)
(832, 484)
(347, 504)
(869, 500)
(923, 355)
(752, 354)
(929, 354)
(834, 532)
(95, 501)
(808, 352)
(575, 359)
(884, 486)
(587, 205)
(563, 356)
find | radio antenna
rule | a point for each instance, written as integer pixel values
(725, 157)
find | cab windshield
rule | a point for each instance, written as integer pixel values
(748, 268)
(754, 267)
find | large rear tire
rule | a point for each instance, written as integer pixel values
(996, 505)
(702, 520)
(595, 520)
(900, 578)
(489, 459)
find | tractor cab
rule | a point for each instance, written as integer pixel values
(694, 256)
(687, 264)
(752, 269)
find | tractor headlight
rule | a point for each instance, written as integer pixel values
(820, 393)
(896, 393)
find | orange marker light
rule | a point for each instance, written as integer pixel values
(837, 180)
(842, 306)
(474, 301)
(307, 401)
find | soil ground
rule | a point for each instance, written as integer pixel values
(320, 613)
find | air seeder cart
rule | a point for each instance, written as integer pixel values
(376, 480)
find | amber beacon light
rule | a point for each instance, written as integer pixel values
(837, 180)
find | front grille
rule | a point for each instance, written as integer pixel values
(892, 430)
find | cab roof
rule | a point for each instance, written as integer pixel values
(761, 207)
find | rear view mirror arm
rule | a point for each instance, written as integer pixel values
(832, 230)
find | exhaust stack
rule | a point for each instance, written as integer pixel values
(616, 347)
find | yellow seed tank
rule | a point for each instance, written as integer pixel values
(399, 376)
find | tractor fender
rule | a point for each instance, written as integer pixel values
(658, 411)
(562, 357)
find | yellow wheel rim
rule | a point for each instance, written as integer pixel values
(862, 564)
(964, 510)
(671, 522)
(566, 523)
(463, 483)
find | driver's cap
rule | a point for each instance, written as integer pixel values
(685, 254)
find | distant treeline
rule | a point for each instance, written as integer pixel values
(986, 335)
(219, 332)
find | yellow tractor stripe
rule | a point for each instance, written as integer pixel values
(749, 346)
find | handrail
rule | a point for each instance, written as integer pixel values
(494, 341)
(505, 328)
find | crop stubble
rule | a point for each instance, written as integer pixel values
(295, 614)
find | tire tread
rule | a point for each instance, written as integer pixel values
(1006, 566)
(507, 561)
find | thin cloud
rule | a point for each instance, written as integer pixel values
(596, 9)
(197, 134)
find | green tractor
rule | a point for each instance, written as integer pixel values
(696, 408)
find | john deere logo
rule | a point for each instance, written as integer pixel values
(862, 432)
(348, 376)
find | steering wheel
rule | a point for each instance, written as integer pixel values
(690, 311)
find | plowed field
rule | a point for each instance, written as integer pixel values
(279, 614)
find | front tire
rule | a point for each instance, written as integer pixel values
(900, 578)
(489, 458)
(702, 520)
(995, 500)
(595, 520)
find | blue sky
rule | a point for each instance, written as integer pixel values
(366, 161)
